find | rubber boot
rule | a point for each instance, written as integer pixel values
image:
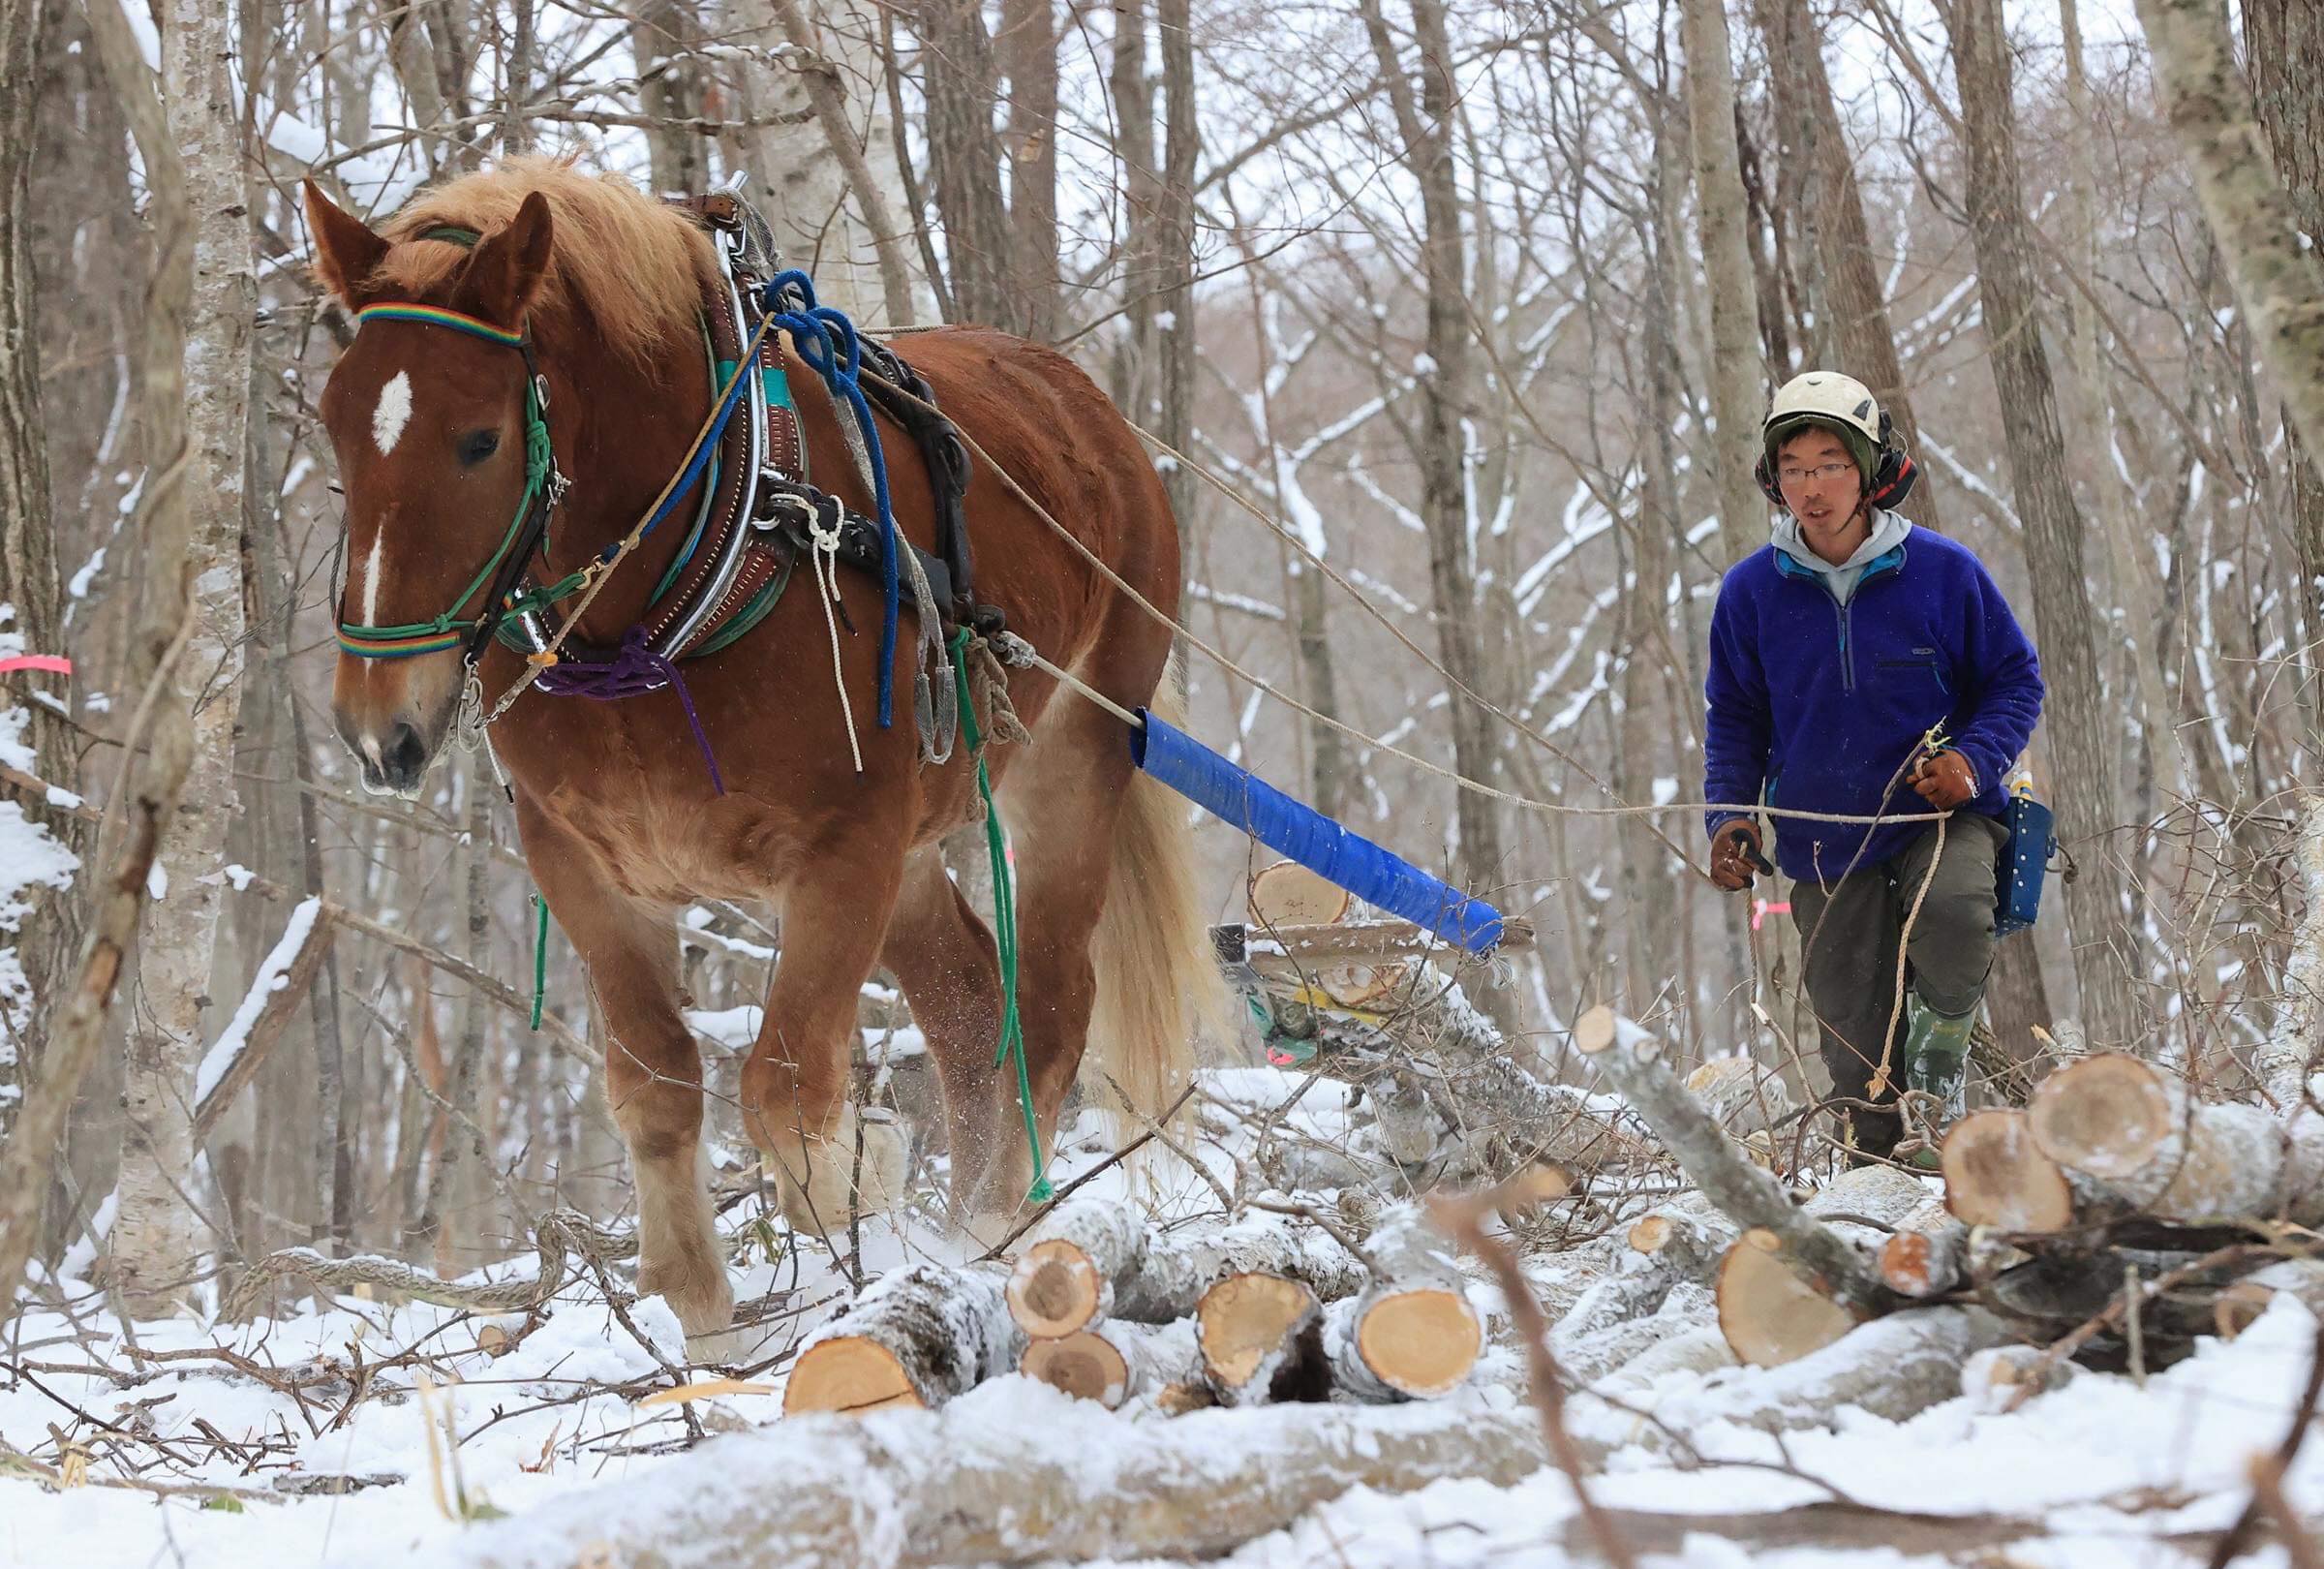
(1937, 1064)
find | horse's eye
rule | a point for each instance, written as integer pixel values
(478, 444)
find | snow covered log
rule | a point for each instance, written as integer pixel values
(1262, 1338)
(1118, 1362)
(1097, 1259)
(916, 1337)
(1411, 1333)
(1834, 1268)
(1015, 1473)
(2142, 1142)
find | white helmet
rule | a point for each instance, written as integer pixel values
(1825, 397)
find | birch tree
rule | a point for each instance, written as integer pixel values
(155, 1242)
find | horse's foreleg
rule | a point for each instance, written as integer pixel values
(652, 1075)
(794, 1090)
(943, 954)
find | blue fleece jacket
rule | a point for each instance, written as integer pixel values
(1818, 703)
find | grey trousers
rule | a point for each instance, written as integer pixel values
(1850, 931)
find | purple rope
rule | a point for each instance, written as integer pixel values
(634, 671)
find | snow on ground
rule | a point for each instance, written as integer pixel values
(2108, 1466)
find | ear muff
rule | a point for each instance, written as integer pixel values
(1767, 481)
(1894, 475)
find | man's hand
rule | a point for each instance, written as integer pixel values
(1734, 852)
(1944, 780)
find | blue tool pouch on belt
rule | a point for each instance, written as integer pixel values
(2024, 862)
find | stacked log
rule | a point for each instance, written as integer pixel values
(1265, 1310)
(2135, 1139)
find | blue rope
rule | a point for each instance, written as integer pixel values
(827, 343)
(704, 451)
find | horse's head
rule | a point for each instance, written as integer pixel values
(429, 427)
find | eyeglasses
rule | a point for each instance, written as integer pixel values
(1825, 472)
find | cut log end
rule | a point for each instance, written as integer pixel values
(1994, 1175)
(1083, 1366)
(1652, 1234)
(851, 1375)
(1421, 1342)
(1245, 1321)
(1054, 1291)
(1919, 1264)
(1595, 1030)
(1769, 1316)
(2104, 1115)
(1289, 894)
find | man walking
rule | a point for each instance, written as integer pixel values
(1862, 669)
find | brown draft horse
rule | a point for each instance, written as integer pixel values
(620, 824)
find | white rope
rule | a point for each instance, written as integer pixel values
(1068, 678)
(823, 560)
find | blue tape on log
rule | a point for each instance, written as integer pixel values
(1298, 830)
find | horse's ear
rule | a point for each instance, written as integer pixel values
(346, 250)
(505, 273)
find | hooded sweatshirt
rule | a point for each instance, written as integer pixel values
(1817, 694)
(1889, 530)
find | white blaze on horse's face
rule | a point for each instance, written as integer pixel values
(393, 412)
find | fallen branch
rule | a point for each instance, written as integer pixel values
(556, 1236)
(1828, 1263)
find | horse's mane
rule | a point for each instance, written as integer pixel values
(633, 266)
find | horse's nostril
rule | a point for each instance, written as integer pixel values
(404, 757)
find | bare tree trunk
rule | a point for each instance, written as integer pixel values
(1028, 54)
(1182, 142)
(1133, 98)
(1440, 450)
(854, 161)
(44, 934)
(2076, 713)
(154, 1240)
(964, 155)
(449, 1217)
(2283, 51)
(2257, 222)
(155, 652)
(1735, 375)
(670, 90)
(1857, 304)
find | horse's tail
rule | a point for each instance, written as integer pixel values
(1159, 987)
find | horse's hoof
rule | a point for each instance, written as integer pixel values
(697, 1294)
(821, 1204)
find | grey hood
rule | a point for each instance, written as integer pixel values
(1889, 530)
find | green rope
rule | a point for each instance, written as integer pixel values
(540, 956)
(1005, 921)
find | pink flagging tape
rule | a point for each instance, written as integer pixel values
(35, 662)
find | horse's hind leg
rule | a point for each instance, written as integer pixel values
(653, 1074)
(1063, 802)
(835, 917)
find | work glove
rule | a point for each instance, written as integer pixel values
(1945, 780)
(1734, 852)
